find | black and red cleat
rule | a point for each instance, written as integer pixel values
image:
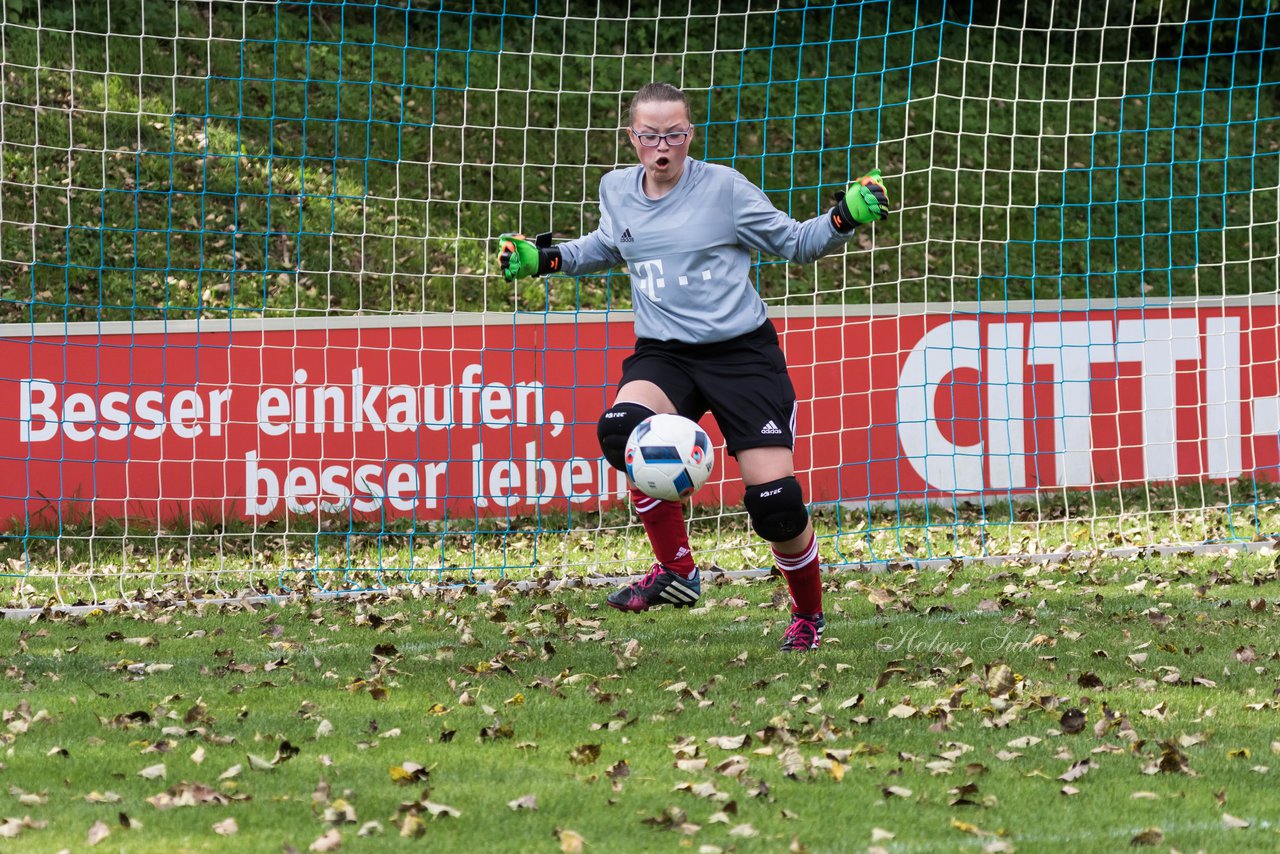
(660, 586)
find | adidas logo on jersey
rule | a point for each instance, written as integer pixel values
(626, 236)
(770, 429)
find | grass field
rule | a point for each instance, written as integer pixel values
(1086, 706)
(334, 159)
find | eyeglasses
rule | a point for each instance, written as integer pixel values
(653, 140)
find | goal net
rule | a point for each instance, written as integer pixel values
(253, 336)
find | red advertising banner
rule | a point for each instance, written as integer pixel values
(390, 421)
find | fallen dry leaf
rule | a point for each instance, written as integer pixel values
(412, 826)
(879, 597)
(999, 679)
(792, 762)
(226, 827)
(701, 790)
(257, 763)
(330, 841)
(969, 828)
(571, 842)
(1150, 836)
(285, 752)
(891, 670)
(409, 772)
(1072, 721)
(438, 810)
(189, 795)
(524, 802)
(98, 832)
(11, 827)
(584, 754)
(1076, 771)
(340, 812)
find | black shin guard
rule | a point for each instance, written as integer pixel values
(614, 428)
(777, 509)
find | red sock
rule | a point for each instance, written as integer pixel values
(664, 524)
(803, 579)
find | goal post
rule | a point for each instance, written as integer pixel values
(253, 336)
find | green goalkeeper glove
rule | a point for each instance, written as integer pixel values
(519, 257)
(865, 201)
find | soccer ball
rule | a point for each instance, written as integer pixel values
(669, 457)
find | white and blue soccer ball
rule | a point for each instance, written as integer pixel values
(669, 457)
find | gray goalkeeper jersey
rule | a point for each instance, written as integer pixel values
(689, 252)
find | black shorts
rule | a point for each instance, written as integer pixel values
(743, 382)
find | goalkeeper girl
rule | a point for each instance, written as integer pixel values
(685, 231)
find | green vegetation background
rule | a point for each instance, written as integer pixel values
(174, 159)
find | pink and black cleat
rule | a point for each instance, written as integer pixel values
(805, 632)
(660, 586)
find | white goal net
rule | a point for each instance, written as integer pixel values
(253, 336)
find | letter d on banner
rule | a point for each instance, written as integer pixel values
(942, 351)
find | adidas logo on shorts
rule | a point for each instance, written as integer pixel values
(626, 236)
(770, 429)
